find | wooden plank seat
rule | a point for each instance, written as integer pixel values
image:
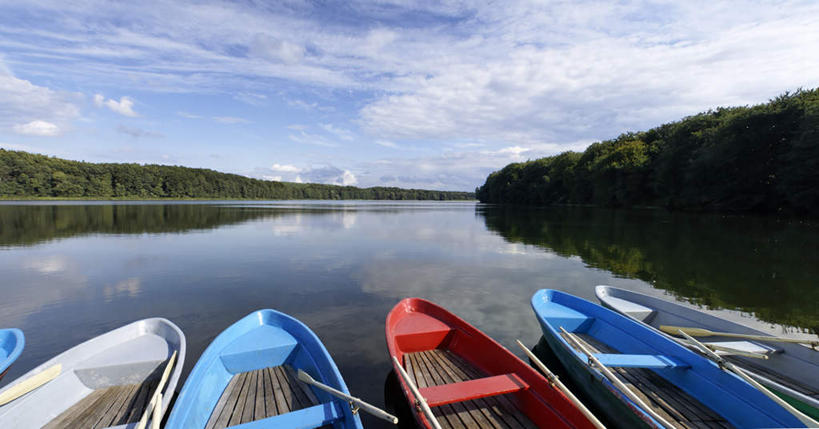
(472, 389)
(619, 360)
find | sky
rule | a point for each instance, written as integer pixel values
(427, 94)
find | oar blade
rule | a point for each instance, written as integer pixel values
(30, 384)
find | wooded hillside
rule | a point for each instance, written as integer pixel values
(27, 175)
(763, 158)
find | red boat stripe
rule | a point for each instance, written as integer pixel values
(472, 389)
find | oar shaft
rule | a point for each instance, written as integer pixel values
(560, 386)
(420, 399)
(156, 400)
(378, 412)
(702, 332)
(616, 381)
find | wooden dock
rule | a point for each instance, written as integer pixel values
(436, 367)
(669, 401)
(107, 407)
(259, 394)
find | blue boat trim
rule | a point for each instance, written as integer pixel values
(12, 342)
(725, 393)
(262, 339)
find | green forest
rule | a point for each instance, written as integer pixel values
(27, 175)
(763, 159)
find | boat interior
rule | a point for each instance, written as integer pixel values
(465, 389)
(256, 374)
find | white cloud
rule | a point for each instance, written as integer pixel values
(326, 174)
(285, 168)
(341, 133)
(386, 143)
(30, 109)
(230, 120)
(125, 105)
(37, 128)
(311, 139)
(138, 132)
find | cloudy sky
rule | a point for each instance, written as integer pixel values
(430, 94)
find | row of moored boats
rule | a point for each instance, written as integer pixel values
(641, 362)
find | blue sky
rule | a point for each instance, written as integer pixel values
(414, 94)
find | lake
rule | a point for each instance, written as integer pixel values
(74, 270)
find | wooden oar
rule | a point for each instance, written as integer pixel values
(419, 400)
(355, 403)
(700, 332)
(30, 383)
(593, 361)
(555, 381)
(809, 422)
(156, 398)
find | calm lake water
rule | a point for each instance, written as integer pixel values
(71, 271)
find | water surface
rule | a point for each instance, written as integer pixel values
(71, 271)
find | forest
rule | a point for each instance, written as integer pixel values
(762, 159)
(27, 175)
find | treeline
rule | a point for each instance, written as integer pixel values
(763, 159)
(27, 175)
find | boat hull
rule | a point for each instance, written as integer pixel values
(420, 333)
(12, 342)
(794, 361)
(653, 364)
(268, 346)
(124, 356)
(616, 412)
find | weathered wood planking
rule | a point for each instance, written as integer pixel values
(673, 404)
(107, 407)
(259, 394)
(437, 367)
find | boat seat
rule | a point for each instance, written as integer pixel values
(472, 389)
(263, 346)
(418, 331)
(747, 346)
(632, 309)
(305, 418)
(619, 360)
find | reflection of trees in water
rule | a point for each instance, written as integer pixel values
(761, 265)
(32, 224)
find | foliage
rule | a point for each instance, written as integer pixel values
(763, 159)
(26, 175)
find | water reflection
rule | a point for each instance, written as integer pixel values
(765, 266)
(73, 271)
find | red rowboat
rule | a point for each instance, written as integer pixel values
(468, 379)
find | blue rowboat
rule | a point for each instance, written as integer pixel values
(246, 378)
(679, 385)
(12, 342)
(790, 370)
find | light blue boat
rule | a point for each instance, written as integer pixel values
(246, 378)
(12, 342)
(681, 386)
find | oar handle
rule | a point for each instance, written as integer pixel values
(156, 398)
(372, 409)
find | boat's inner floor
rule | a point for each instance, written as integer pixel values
(775, 376)
(259, 394)
(111, 406)
(437, 367)
(666, 399)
